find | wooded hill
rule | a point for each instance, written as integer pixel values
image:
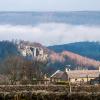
(60, 56)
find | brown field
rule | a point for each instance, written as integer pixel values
(49, 92)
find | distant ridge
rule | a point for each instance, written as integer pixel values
(33, 18)
(88, 49)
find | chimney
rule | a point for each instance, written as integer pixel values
(34, 52)
(67, 69)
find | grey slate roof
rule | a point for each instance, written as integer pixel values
(83, 73)
(57, 74)
(77, 74)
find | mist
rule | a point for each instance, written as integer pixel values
(50, 33)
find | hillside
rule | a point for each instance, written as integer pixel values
(7, 48)
(55, 60)
(66, 58)
(81, 60)
(88, 49)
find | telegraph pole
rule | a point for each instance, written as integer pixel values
(70, 88)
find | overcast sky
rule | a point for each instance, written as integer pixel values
(50, 33)
(49, 5)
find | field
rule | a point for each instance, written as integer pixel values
(49, 92)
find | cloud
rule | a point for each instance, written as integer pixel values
(50, 33)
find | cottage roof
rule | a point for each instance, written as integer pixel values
(77, 74)
(57, 74)
(83, 73)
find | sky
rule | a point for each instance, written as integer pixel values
(49, 5)
(51, 33)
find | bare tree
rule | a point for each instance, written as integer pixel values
(19, 69)
(12, 66)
